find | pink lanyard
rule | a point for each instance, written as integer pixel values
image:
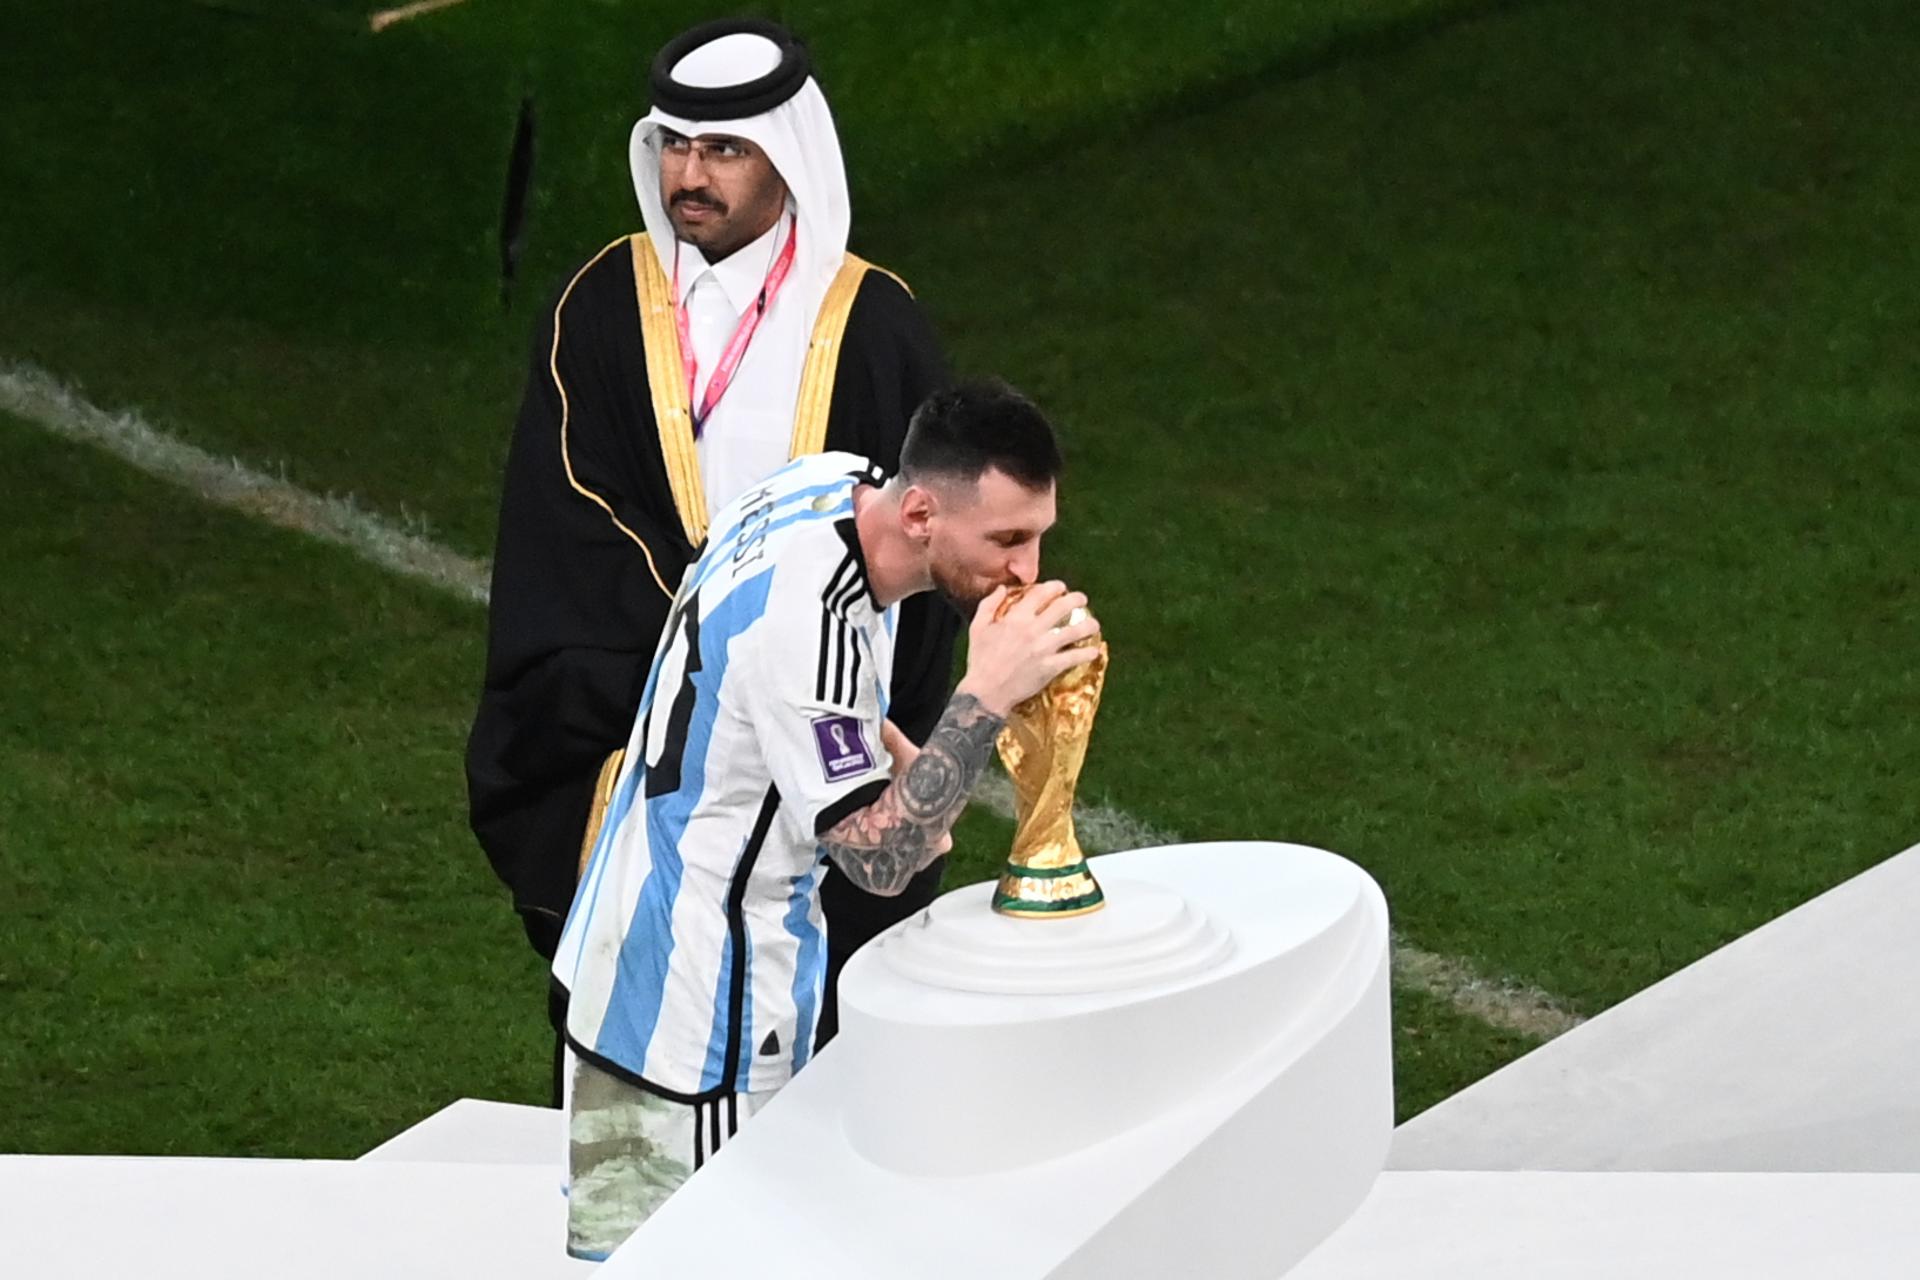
(736, 348)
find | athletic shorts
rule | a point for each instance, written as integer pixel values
(628, 1149)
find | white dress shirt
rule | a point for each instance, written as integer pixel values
(751, 430)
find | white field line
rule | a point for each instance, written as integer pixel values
(36, 396)
(31, 393)
(388, 17)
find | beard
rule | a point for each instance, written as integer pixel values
(961, 590)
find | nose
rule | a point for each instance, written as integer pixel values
(1025, 564)
(693, 174)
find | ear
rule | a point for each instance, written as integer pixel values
(918, 507)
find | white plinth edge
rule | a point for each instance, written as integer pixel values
(1145, 934)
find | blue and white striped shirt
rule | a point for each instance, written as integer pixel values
(695, 954)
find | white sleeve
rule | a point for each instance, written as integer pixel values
(815, 709)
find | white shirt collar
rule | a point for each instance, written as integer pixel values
(740, 273)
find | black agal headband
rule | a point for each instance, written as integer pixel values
(734, 101)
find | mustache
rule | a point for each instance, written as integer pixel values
(696, 198)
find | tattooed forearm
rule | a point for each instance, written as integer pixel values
(881, 846)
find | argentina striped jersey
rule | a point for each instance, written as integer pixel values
(695, 953)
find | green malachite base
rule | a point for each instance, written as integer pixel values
(1047, 892)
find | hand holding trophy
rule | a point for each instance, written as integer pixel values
(1043, 747)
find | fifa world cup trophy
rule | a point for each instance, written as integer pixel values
(1043, 745)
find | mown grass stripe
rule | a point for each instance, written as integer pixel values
(38, 397)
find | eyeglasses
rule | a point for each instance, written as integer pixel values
(707, 150)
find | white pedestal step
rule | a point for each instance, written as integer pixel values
(1793, 1049)
(1628, 1226)
(110, 1217)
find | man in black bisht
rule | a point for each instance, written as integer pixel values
(678, 367)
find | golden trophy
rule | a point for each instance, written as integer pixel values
(1043, 745)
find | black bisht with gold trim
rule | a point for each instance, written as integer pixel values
(592, 541)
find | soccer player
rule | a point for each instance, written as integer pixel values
(694, 957)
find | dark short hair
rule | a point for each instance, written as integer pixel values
(964, 431)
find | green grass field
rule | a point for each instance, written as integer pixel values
(243, 915)
(1491, 446)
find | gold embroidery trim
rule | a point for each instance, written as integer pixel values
(597, 814)
(904, 286)
(667, 376)
(566, 410)
(823, 358)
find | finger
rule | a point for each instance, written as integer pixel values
(1068, 659)
(1041, 597)
(1066, 634)
(1080, 632)
(988, 610)
(1062, 608)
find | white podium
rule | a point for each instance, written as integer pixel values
(1792, 1049)
(1196, 1081)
